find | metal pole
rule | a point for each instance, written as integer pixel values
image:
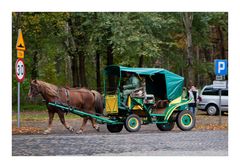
(18, 104)
(220, 108)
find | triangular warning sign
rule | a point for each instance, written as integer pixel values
(20, 42)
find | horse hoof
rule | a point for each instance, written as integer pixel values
(98, 129)
(71, 129)
(46, 132)
(79, 132)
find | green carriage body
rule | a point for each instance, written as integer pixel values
(162, 84)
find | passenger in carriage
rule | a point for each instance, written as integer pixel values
(131, 84)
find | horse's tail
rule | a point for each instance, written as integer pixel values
(98, 102)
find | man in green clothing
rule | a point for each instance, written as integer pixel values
(131, 84)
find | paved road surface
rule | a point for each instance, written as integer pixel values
(147, 143)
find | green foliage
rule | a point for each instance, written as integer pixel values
(159, 38)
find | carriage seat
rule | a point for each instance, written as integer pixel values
(149, 99)
(161, 104)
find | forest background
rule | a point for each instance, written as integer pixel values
(72, 49)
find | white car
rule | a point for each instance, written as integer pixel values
(209, 100)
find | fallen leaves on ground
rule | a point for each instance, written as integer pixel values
(26, 130)
(211, 127)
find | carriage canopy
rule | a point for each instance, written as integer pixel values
(160, 82)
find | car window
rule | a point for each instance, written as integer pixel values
(225, 92)
(210, 91)
(214, 92)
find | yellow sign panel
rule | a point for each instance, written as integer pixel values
(20, 54)
(20, 42)
(111, 104)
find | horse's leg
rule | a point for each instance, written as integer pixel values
(85, 119)
(94, 124)
(50, 119)
(62, 119)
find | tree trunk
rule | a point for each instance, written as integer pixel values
(187, 20)
(109, 54)
(34, 71)
(68, 71)
(140, 64)
(82, 72)
(78, 40)
(72, 51)
(98, 71)
(74, 68)
(221, 41)
(111, 81)
(198, 62)
(18, 20)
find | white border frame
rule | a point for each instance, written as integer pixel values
(7, 7)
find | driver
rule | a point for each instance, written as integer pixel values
(131, 84)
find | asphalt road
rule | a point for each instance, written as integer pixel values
(144, 142)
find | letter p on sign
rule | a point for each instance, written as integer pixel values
(221, 67)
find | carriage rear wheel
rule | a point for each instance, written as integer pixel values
(133, 123)
(113, 128)
(166, 127)
(186, 120)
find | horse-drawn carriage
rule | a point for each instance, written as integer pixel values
(157, 100)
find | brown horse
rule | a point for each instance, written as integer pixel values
(83, 99)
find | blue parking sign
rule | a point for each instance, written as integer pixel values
(220, 67)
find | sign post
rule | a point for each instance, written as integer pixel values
(18, 121)
(220, 109)
(20, 67)
(220, 82)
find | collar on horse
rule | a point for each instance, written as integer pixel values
(67, 95)
(64, 91)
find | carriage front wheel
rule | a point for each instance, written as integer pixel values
(113, 128)
(132, 123)
(186, 120)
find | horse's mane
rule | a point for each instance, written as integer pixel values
(48, 89)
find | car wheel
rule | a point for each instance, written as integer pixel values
(212, 110)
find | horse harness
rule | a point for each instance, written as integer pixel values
(67, 94)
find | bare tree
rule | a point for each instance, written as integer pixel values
(187, 20)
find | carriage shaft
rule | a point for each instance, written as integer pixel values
(84, 114)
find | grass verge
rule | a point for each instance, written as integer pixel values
(29, 107)
(39, 116)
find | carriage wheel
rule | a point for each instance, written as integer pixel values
(166, 127)
(132, 123)
(113, 128)
(186, 120)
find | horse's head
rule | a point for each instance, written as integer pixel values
(34, 89)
